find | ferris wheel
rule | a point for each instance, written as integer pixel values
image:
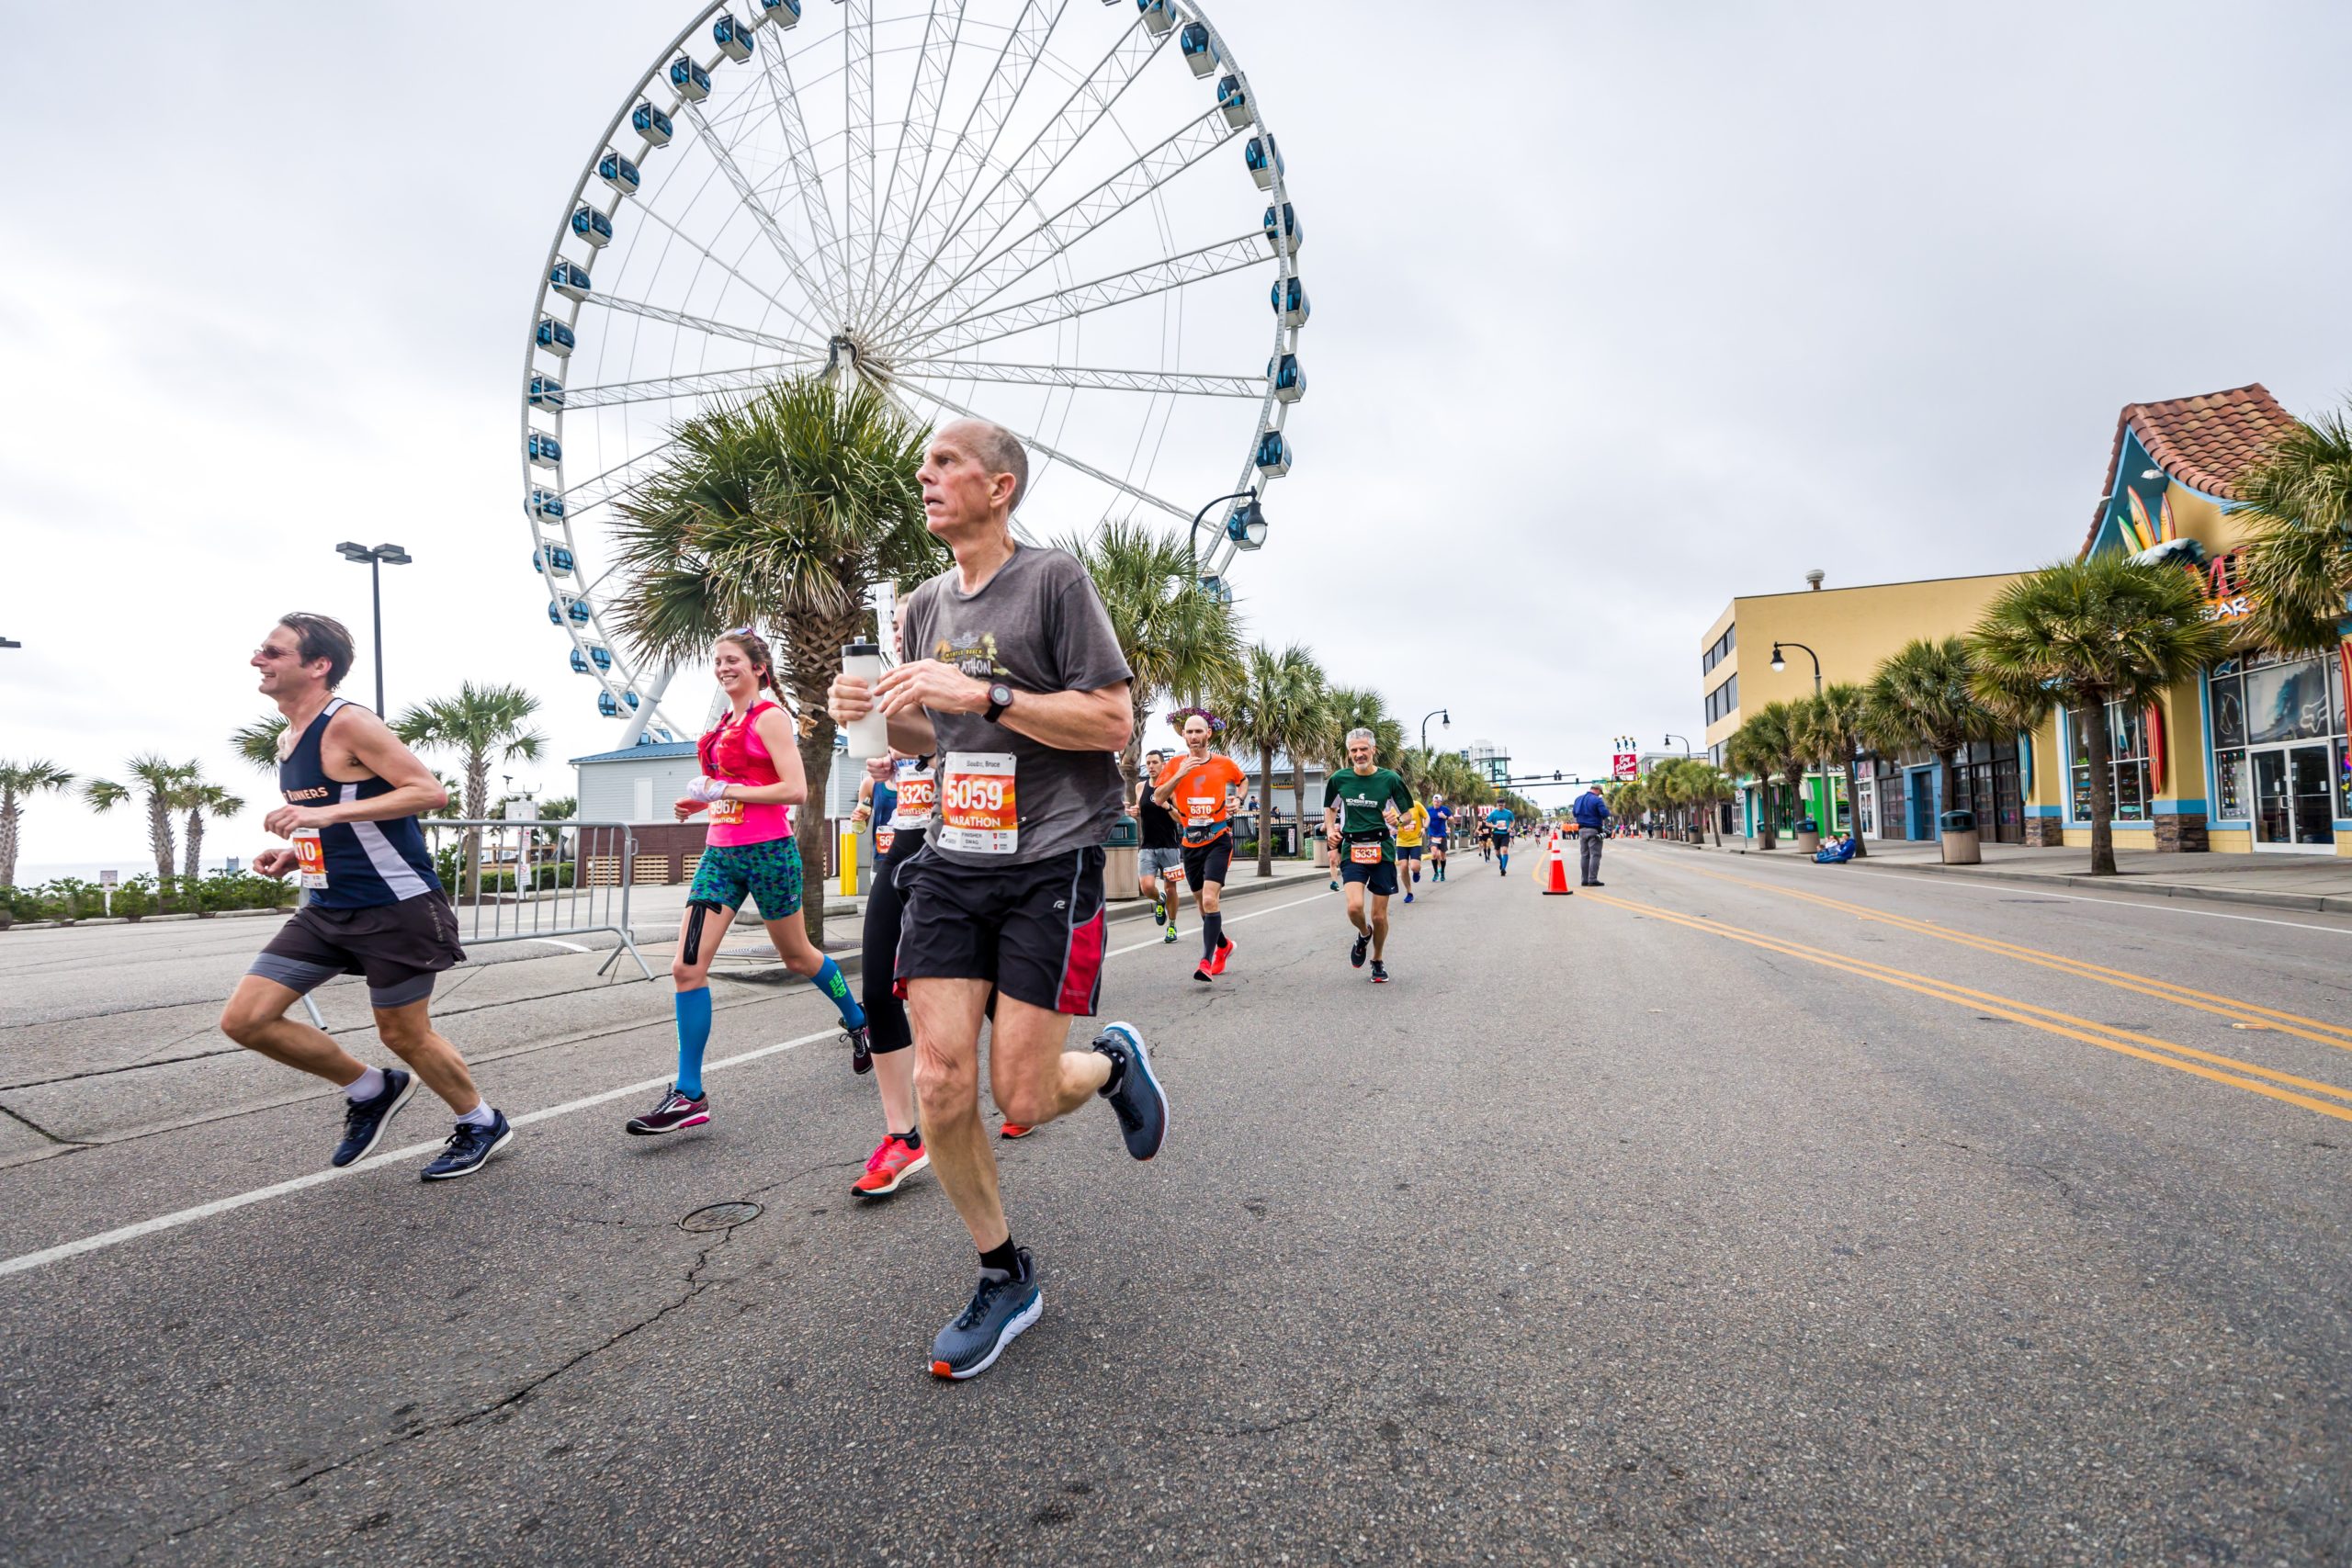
(1060, 215)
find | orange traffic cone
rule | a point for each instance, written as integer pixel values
(1555, 872)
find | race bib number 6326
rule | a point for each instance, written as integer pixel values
(978, 810)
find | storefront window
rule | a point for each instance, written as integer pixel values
(2128, 745)
(2277, 732)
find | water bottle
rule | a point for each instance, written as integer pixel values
(870, 736)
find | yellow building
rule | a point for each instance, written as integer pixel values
(2250, 756)
(1850, 630)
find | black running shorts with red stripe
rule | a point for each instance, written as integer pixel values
(1036, 931)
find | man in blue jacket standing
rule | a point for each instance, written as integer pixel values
(1592, 816)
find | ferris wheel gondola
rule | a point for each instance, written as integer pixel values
(1043, 213)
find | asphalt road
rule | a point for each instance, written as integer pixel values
(1693, 1219)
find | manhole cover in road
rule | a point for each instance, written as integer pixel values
(719, 1216)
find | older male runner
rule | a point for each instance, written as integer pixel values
(353, 793)
(1361, 806)
(1014, 680)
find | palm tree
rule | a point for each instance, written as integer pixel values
(256, 743)
(2082, 634)
(784, 509)
(19, 782)
(159, 782)
(1360, 707)
(2298, 563)
(1760, 747)
(195, 797)
(482, 725)
(1924, 695)
(1836, 725)
(1273, 704)
(1176, 641)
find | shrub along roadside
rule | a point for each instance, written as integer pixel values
(69, 899)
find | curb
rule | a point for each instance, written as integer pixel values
(142, 921)
(2309, 903)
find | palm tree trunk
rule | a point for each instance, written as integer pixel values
(194, 865)
(1766, 824)
(9, 813)
(159, 839)
(477, 803)
(1854, 806)
(2102, 787)
(810, 825)
(1265, 800)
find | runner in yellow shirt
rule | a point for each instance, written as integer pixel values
(1410, 825)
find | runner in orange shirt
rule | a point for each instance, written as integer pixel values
(1201, 789)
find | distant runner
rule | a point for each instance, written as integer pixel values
(1498, 822)
(1159, 866)
(1441, 824)
(1201, 789)
(751, 777)
(1410, 825)
(1361, 806)
(353, 793)
(904, 793)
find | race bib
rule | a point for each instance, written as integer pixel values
(977, 813)
(726, 812)
(310, 858)
(1367, 853)
(1202, 814)
(883, 838)
(918, 793)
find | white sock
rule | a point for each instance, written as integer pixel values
(367, 1086)
(482, 1115)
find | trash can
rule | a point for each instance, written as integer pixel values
(1808, 836)
(1119, 856)
(1961, 845)
(1322, 852)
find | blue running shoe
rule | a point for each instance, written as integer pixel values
(1133, 1092)
(1000, 1308)
(364, 1122)
(469, 1148)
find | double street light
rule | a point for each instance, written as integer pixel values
(377, 558)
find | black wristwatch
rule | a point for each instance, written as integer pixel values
(999, 699)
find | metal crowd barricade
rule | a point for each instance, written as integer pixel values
(538, 881)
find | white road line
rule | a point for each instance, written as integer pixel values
(31, 1260)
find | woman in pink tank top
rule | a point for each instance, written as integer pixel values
(750, 779)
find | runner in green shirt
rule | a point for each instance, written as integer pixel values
(1360, 811)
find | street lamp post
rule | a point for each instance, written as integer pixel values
(1445, 721)
(1246, 528)
(1671, 737)
(1780, 663)
(378, 558)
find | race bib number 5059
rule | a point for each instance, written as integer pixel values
(978, 811)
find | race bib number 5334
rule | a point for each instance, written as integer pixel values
(978, 811)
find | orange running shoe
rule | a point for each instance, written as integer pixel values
(1014, 1130)
(1223, 952)
(892, 1165)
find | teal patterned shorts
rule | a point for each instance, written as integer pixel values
(770, 873)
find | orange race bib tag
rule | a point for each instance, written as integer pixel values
(726, 812)
(310, 858)
(977, 813)
(1365, 853)
(1202, 813)
(883, 838)
(918, 794)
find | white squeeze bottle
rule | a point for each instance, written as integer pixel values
(870, 736)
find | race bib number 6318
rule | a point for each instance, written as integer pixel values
(978, 810)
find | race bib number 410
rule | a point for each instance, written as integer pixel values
(310, 858)
(977, 813)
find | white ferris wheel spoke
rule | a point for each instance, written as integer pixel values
(857, 94)
(1055, 235)
(944, 27)
(1081, 378)
(745, 193)
(706, 325)
(800, 166)
(967, 158)
(720, 262)
(1088, 102)
(750, 378)
(1035, 445)
(611, 485)
(1156, 277)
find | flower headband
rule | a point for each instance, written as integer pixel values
(1176, 720)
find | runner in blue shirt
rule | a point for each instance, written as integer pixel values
(1441, 826)
(1498, 822)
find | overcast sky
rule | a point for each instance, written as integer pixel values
(1619, 309)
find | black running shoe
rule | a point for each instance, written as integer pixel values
(861, 1048)
(1133, 1092)
(1001, 1307)
(1379, 973)
(1363, 946)
(469, 1148)
(364, 1122)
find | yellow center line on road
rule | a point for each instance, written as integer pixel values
(2277, 1019)
(2090, 1033)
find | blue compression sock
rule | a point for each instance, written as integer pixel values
(829, 979)
(694, 1035)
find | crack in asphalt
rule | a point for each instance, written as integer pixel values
(18, 1116)
(694, 1287)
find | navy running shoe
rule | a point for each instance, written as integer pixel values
(861, 1048)
(1133, 1092)
(1363, 946)
(364, 1121)
(469, 1148)
(1379, 973)
(1001, 1307)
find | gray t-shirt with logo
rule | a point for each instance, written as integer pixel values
(1037, 625)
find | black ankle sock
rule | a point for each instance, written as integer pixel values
(912, 1140)
(1212, 935)
(1004, 1258)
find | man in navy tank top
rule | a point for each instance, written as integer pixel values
(353, 793)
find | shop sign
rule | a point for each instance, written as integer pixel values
(1623, 765)
(2225, 597)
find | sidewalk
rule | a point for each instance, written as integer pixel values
(2321, 883)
